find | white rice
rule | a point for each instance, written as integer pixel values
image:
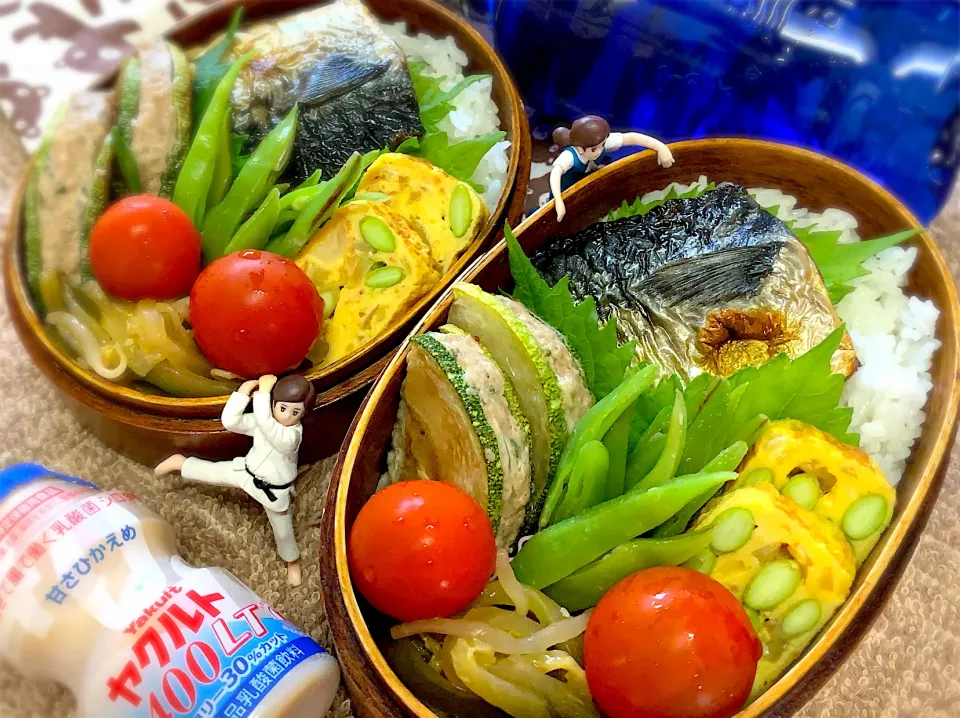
(894, 335)
(474, 110)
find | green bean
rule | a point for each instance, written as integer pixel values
(643, 458)
(666, 466)
(801, 618)
(250, 188)
(323, 202)
(732, 529)
(584, 587)
(223, 169)
(587, 481)
(702, 561)
(126, 162)
(864, 516)
(281, 187)
(772, 585)
(592, 427)
(758, 475)
(196, 175)
(310, 181)
(460, 212)
(803, 490)
(255, 232)
(727, 460)
(559, 550)
(377, 234)
(616, 442)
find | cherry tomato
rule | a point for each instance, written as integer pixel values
(145, 247)
(421, 549)
(670, 642)
(255, 313)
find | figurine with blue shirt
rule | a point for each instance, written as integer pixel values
(584, 145)
(268, 471)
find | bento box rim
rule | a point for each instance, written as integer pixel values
(892, 556)
(363, 364)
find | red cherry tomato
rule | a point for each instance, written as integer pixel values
(145, 247)
(421, 549)
(255, 313)
(670, 642)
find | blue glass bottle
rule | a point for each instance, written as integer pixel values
(874, 83)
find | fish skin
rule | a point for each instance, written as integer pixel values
(349, 77)
(689, 263)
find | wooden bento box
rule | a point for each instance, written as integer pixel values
(146, 427)
(817, 182)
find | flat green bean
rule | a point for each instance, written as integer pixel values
(559, 550)
(666, 466)
(250, 188)
(196, 175)
(727, 460)
(594, 425)
(323, 202)
(587, 481)
(643, 459)
(616, 442)
(255, 232)
(584, 587)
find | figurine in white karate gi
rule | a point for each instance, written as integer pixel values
(269, 469)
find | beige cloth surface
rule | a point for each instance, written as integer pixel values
(907, 666)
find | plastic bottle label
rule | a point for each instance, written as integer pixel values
(197, 651)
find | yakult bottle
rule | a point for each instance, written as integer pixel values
(94, 595)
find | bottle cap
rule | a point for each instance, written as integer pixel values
(16, 475)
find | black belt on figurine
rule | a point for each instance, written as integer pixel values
(266, 488)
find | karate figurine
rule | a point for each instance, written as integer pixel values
(586, 142)
(269, 469)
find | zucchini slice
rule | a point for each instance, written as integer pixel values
(68, 189)
(460, 423)
(154, 114)
(549, 381)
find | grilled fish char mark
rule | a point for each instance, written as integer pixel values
(713, 282)
(349, 77)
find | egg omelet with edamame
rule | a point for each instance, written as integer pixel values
(370, 267)
(790, 567)
(446, 212)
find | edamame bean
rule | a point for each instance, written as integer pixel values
(384, 277)
(803, 490)
(461, 210)
(703, 561)
(801, 618)
(864, 516)
(773, 584)
(757, 476)
(733, 529)
(377, 234)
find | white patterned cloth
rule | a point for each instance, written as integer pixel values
(50, 49)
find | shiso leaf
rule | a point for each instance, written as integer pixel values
(459, 160)
(435, 102)
(840, 263)
(208, 70)
(604, 362)
(638, 207)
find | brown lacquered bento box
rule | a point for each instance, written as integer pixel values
(817, 182)
(147, 427)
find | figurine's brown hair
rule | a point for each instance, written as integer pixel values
(588, 131)
(294, 388)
